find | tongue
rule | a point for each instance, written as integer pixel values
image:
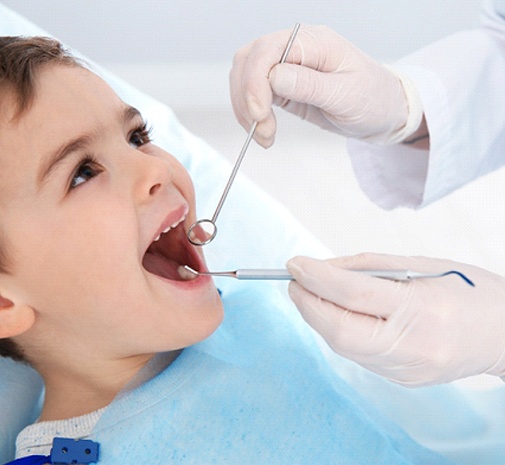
(161, 266)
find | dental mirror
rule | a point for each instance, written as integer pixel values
(209, 226)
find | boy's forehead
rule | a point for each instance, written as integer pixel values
(70, 88)
(68, 101)
(64, 96)
(51, 83)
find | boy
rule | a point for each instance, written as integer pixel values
(92, 236)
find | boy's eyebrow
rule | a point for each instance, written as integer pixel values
(50, 162)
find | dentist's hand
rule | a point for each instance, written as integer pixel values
(415, 333)
(325, 80)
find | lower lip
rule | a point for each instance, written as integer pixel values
(197, 283)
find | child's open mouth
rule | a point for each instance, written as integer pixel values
(167, 255)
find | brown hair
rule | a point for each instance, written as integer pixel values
(22, 57)
(20, 60)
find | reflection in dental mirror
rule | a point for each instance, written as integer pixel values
(208, 227)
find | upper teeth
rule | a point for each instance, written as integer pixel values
(157, 238)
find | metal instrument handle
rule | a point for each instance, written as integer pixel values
(263, 274)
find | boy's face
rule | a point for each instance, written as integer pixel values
(77, 220)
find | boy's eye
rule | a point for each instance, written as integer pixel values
(140, 136)
(86, 170)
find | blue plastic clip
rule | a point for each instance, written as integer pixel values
(67, 451)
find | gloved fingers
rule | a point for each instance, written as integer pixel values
(315, 47)
(250, 89)
(361, 338)
(441, 329)
(250, 86)
(237, 95)
(376, 261)
(306, 112)
(265, 131)
(252, 102)
(321, 98)
(359, 97)
(349, 289)
(303, 85)
(348, 333)
(365, 339)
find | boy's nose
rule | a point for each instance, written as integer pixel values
(151, 175)
(154, 188)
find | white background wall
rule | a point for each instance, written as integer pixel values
(189, 30)
(180, 52)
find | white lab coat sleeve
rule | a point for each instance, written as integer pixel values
(461, 83)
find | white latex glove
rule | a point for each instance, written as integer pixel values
(325, 80)
(415, 333)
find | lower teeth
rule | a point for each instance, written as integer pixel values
(185, 274)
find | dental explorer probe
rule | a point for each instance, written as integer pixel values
(282, 274)
(211, 224)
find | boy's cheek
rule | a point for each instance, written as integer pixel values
(185, 185)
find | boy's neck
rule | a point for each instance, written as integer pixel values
(72, 394)
(70, 401)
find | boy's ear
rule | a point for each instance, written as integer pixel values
(15, 319)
